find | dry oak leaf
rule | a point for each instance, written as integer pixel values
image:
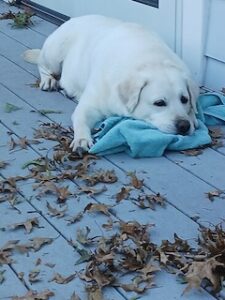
(38, 242)
(102, 208)
(94, 293)
(28, 224)
(54, 212)
(198, 271)
(123, 194)
(58, 278)
(3, 164)
(6, 252)
(82, 236)
(83, 166)
(135, 182)
(94, 273)
(132, 287)
(211, 195)
(75, 219)
(5, 258)
(192, 152)
(74, 296)
(2, 278)
(101, 176)
(212, 241)
(135, 229)
(33, 295)
(91, 191)
(49, 187)
(33, 276)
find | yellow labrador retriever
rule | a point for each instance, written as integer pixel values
(116, 68)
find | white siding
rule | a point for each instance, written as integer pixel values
(215, 47)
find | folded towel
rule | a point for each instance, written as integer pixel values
(140, 139)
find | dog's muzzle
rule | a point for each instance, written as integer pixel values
(183, 127)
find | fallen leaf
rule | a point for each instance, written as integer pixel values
(52, 211)
(108, 225)
(135, 182)
(133, 288)
(2, 278)
(28, 224)
(22, 19)
(94, 273)
(149, 201)
(75, 219)
(33, 276)
(74, 296)
(49, 187)
(61, 279)
(211, 195)
(123, 194)
(9, 107)
(102, 208)
(3, 164)
(36, 84)
(38, 242)
(192, 152)
(33, 295)
(38, 262)
(50, 265)
(47, 111)
(198, 271)
(7, 15)
(91, 191)
(94, 293)
(101, 176)
(5, 257)
(82, 236)
(84, 256)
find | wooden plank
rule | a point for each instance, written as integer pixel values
(13, 51)
(160, 175)
(41, 26)
(183, 189)
(190, 187)
(11, 280)
(209, 166)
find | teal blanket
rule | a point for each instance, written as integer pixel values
(140, 139)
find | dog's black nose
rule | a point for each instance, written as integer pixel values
(183, 127)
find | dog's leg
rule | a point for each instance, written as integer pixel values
(84, 117)
(48, 81)
(50, 70)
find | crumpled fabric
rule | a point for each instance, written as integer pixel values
(139, 139)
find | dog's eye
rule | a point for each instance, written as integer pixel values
(160, 103)
(184, 100)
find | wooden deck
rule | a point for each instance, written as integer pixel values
(183, 180)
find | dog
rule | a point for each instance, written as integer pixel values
(116, 68)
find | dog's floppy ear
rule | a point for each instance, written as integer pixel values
(193, 91)
(130, 92)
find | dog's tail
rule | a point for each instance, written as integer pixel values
(31, 55)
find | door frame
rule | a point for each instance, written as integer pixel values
(191, 39)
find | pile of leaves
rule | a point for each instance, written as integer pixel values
(126, 258)
(130, 251)
(20, 19)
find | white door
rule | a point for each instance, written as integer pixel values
(161, 19)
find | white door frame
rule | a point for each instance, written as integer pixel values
(192, 15)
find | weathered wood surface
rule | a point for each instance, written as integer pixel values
(183, 180)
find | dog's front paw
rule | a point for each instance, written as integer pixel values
(81, 144)
(49, 83)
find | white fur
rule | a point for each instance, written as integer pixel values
(115, 68)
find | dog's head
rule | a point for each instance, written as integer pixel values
(165, 98)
